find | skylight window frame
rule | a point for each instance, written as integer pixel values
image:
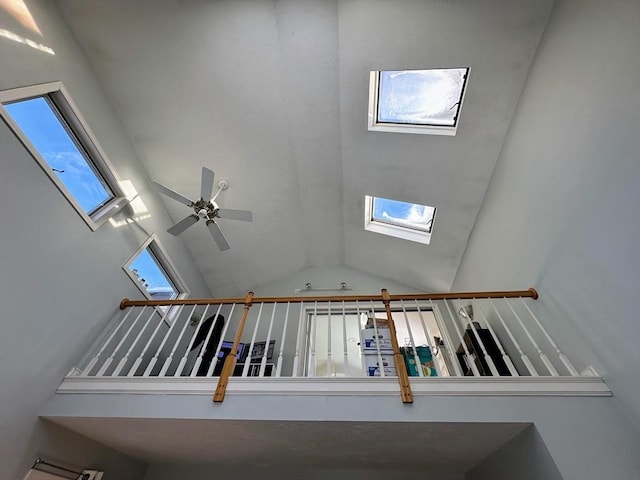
(394, 229)
(158, 252)
(56, 95)
(424, 129)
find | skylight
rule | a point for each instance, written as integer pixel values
(154, 274)
(45, 119)
(147, 270)
(416, 101)
(39, 122)
(410, 221)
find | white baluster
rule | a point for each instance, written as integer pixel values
(296, 357)
(183, 360)
(263, 362)
(282, 343)
(247, 363)
(447, 342)
(328, 340)
(525, 358)
(487, 357)
(169, 359)
(426, 334)
(312, 370)
(569, 366)
(154, 359)
(545, 360)
(95, 359)
(205, 344)
(416, 358)
(215, 360)
(138, 361)
(344, 341)
(106, 364)
(377, 342)
(361, 344)
(133, 344)
(505, 356)
(469, 358)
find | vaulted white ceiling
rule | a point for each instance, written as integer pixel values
(272, 95)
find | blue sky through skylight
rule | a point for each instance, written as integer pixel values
(152, 277)
(43, 128)
(404, 214)
(422, 97)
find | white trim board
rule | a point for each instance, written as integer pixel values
(487, 386)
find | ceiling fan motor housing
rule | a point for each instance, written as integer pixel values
(206, 209)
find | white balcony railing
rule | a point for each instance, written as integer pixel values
(414, 338)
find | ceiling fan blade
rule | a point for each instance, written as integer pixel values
(217, 235)
(228, 213)
(170, 193)
(206, 184)
(183, 224)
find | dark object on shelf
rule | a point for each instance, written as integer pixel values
(258, 351)
(475, 350)
(242, 357)
(212, 344)
(254, 370)
(225, 350)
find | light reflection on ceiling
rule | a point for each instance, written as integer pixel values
(136, 204)
(18, 10)
(26, 41)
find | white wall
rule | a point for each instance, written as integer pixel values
(524, 457)
(587, 437)
(330, 277)
(561, 212)
(180, 472)
(60, 282)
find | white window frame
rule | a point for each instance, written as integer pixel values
(159, 252)
(375, 125)
(397, 231)
(93, 153)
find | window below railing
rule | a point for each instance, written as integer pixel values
(410, 338)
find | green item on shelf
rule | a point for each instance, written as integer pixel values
(425, 358)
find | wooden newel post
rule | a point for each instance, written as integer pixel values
(401, 369)
(230, 361)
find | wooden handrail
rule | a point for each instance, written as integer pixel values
(531, 293)
(399, 360)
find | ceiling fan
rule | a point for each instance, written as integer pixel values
(206, 208)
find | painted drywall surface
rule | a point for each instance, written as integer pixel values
(524, 457)
(593, 439)
(180, 472)
(77, 452)
(360, 283)
(60, 281)
(561, 211)
(57, 292)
